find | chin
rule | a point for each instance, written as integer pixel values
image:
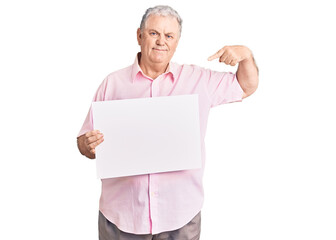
(160, 60)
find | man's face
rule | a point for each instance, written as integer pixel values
(159, 39)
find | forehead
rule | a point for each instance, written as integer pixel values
(162, 23)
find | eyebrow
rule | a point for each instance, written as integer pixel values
(170, 33)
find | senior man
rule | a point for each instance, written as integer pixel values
(163, 205)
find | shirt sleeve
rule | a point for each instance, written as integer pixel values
(99, 96)
(223, 87)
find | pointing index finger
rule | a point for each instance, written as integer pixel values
(213, 57)
(216, 55)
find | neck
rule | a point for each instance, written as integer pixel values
(152, 70)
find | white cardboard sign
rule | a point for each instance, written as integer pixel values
(147, 135)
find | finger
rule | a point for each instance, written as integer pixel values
(216, 55)
(96, 143)
(223, 57)
(93, 145)
(99, 141)
(92, 133)
(228, 60)
(94, 138)
(233, 63)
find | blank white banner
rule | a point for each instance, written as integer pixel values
(147, 135)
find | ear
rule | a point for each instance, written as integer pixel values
(139, 36)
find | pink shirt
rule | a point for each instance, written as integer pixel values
(160, 202)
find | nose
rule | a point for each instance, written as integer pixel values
(160, 41)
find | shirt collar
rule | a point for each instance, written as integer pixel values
(136, 69)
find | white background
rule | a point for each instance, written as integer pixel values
(270, 169)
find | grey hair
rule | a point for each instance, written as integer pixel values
(161, 10)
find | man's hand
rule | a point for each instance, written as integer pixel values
(231, 55)
(247, 72)
(88, 142)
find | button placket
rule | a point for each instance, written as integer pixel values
(154, 200)
(155, 86)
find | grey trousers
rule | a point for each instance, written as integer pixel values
(190, 231)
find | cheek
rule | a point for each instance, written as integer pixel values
(150, 44)
(146, 43)
(173, 46)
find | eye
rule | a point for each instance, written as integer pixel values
(169, 36)
(153, 33)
